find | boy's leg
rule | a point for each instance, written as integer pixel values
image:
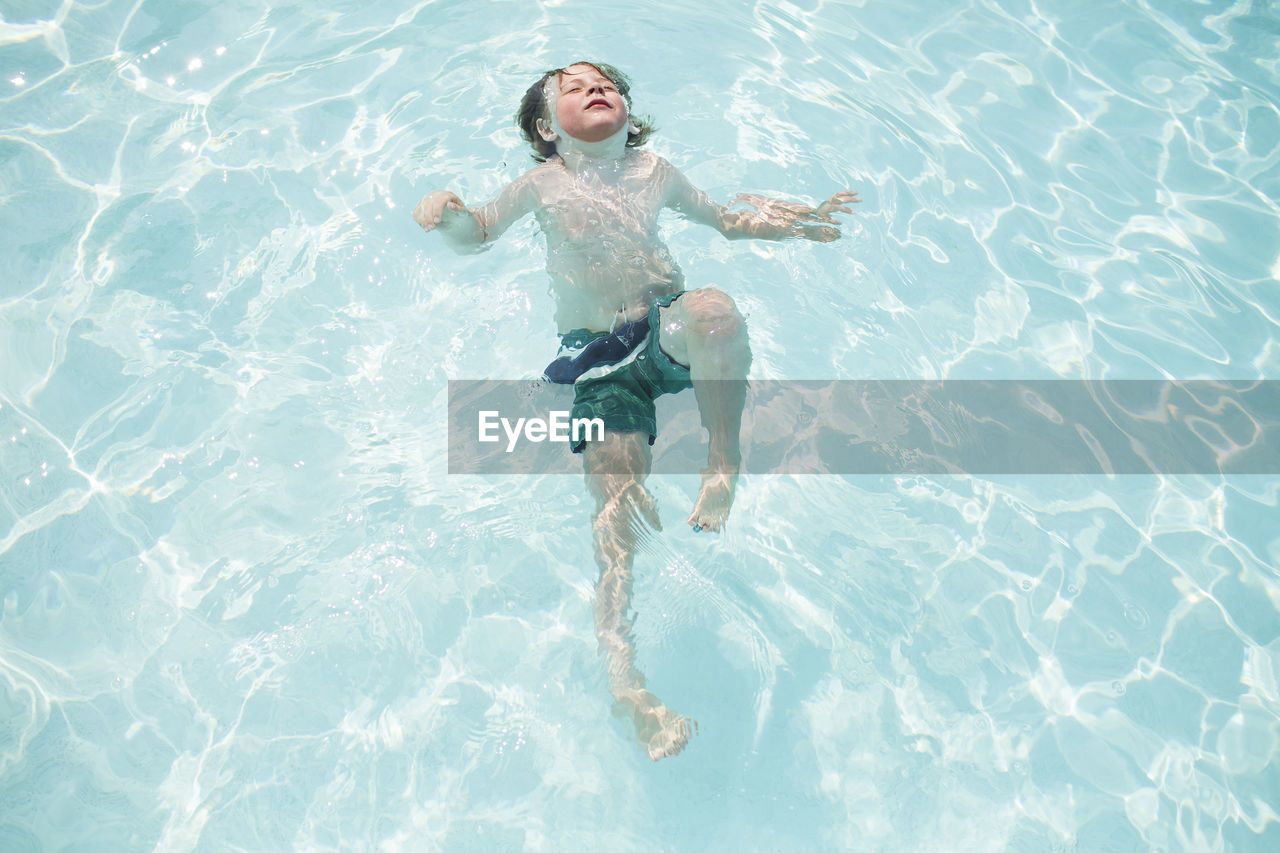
(615, 470)
(704, 331)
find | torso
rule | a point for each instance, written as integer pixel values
(606, 261)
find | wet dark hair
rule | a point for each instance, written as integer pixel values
(533, 106)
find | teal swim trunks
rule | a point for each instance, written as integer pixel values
(617, 375)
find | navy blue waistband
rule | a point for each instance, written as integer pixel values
(589, 349)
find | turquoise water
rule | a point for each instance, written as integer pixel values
(245, 607)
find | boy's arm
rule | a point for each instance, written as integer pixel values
(771, 220)
(466, 229)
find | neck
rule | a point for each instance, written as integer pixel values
(578, 155)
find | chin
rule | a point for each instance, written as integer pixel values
(597, 134)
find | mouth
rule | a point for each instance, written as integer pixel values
(599, 102)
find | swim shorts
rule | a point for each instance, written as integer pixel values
(617, 375)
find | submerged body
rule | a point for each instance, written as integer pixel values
(598, 200)
(605, 258)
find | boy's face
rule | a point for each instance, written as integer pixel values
(588, 106)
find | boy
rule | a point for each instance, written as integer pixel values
(629, 330)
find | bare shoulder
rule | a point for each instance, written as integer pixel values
(551, 166)
(545, 174)
(657, 169)
(541, 171)
(533, 186)
(652, 161)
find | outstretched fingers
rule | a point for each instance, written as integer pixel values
(801, 220)
(836, 204)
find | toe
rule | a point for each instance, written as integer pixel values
(703, 523)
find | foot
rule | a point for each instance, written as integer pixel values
(714, 499)
(662, 732)
(672, 737)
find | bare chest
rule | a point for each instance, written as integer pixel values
(585, 207)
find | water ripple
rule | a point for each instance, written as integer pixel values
(242, 603)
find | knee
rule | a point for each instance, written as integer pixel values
(713, 312)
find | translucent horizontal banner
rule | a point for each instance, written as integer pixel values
(902, 427)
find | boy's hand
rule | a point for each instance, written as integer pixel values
(836, 204)
(796, 220)
(432, 207)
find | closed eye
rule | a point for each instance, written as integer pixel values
(578, 88)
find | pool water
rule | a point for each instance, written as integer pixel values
(245, 607)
